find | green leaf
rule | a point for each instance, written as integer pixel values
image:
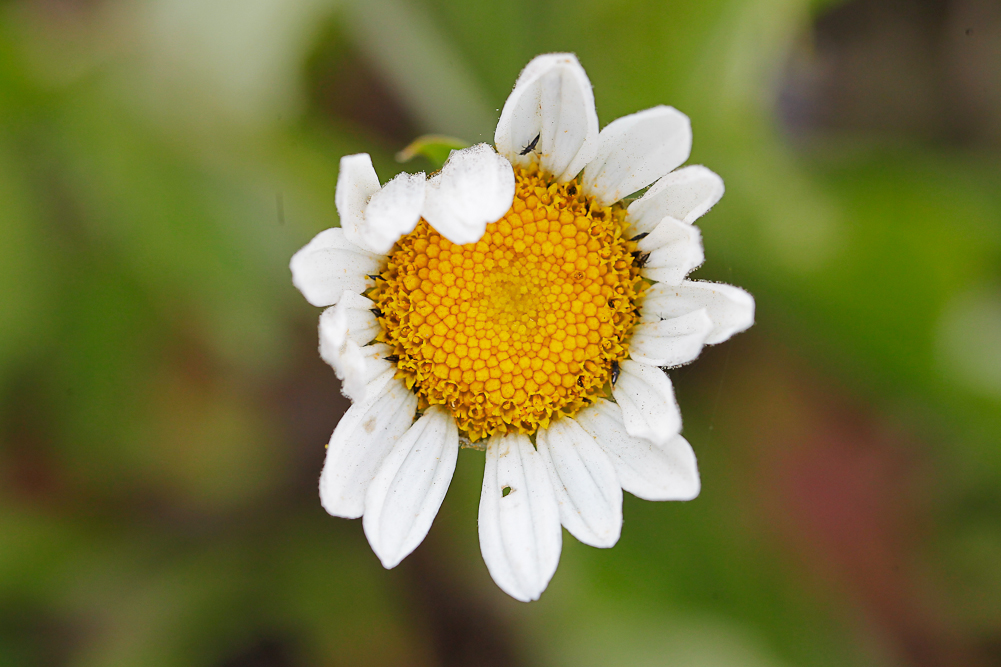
(435, 147)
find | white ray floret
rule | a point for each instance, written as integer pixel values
(475, 187)
(587, 489)
(552, 105)
(403, 499)
(519, 520)
(646, 470)
(685, 195)
(636, 150)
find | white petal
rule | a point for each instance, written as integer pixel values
(394, 211)
(730, 308)
(475, 187)
(519, 520)
(646, 470)
(636, 150)
(647, 400)
(360, 442)
(671, 342)
(351, 319)
(685, 195)
(551, 100)
(403, 499)
(356, 183)
(586, 485)
(330, 265)
(675, 251)
(356, 366)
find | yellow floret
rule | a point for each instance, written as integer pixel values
(521, 327)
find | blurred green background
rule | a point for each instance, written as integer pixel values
(163, 409)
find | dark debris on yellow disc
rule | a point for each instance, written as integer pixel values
(522, 326)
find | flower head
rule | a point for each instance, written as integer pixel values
(516, 301)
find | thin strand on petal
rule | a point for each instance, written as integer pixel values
(646, 470)
(363, 437)
(550, 118)
(646, 397)
(673, 342)
(685, 194)
(730, 308)
(636, 150)
(474, 188)
(403, 499)
(674, 250)
(330, 265)
(519, 520)
(585, 482)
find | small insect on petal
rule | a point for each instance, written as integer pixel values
(531, 146)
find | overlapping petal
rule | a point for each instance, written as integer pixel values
(644, 469)
(550, 117)
(587, 488)
(730, 308)
(672, 251)
(363, 437)
(646, 397)
(356, 183)
(636, 150)
(519, 519)
(394, 211)
(673, 342)
(330, 265)
(474, 188)
(403, 499)
(685, 195)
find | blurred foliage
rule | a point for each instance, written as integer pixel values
(163, 410)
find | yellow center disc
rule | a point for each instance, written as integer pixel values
(522, 326)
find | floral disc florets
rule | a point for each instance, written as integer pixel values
(525, 325)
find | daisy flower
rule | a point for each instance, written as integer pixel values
(518, 303)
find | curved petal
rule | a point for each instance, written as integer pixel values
(351, 319)
(586, 485)
(403, 499)
(646, 470)
(475, 187)
(356, 183)
(551, 100)
(330, 265)
(647, 400)
(636, 150)
(685, 195)
(671, 342)
(360, 442)
(519, 520)
(393, 211)
(675, 250)
(356, 367)
(730, 308)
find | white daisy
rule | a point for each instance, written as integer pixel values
(515, 301)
